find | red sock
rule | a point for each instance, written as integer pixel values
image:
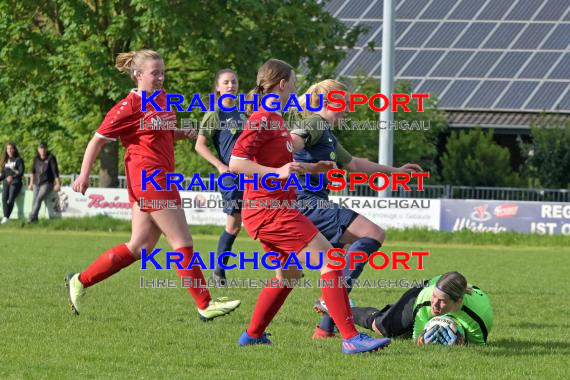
(336, 299)
(268, 304)
(201, 295)
(107, 265)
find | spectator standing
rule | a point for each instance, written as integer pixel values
(11, 173)
(45, 179)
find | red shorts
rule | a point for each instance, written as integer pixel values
(280, 230)
(154, 200)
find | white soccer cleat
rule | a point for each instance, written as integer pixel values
(217, 308)
(75, 291)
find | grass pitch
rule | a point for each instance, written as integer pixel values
(128, 332)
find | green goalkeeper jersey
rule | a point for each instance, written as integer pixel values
(475, 315)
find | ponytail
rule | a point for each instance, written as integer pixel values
(132, 61)
(260, 92)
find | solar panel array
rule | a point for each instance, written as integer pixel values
(474, 55)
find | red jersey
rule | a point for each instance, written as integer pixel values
(124, 122)
(281, 230)
(267, 147)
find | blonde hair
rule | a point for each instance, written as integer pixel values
(132, 61)
(321, 88)
(268, 76)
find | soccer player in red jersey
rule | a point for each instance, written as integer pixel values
(261, 149)
(149, 149)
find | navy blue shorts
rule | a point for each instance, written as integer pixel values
(332, 223)
(232, 195)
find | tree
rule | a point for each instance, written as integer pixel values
(548, 155)
(473, 159)
(57, 58)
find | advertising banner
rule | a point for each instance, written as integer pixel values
(500, 216)
(205, 208)
(397, 213)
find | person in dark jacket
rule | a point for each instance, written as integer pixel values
(45, 179)
(11, 173)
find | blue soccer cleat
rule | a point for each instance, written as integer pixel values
(246, 340)
(363, 343)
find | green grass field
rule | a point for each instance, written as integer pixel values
(129, 332)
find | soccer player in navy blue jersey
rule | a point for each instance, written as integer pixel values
(222, 129)
(285, 231)
(315, 142)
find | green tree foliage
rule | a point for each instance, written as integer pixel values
(473, 159)
(57, 59)
(411, 145)
(548, 156)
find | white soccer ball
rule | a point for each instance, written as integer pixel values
(448, 322)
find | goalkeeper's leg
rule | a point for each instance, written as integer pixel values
(364, 316)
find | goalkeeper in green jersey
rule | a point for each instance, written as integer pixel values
(449, 295)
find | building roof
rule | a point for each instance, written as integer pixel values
(505, 58)
(515, 121)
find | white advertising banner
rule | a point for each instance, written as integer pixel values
(205, 208)
(96, 201)
(397, 213)
(199, 207)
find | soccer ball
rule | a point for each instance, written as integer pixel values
(445, 321)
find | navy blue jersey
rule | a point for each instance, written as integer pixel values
(224, 132)
(320, 145)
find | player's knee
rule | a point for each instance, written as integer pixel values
(327, 263)
(233, 225)
(136, 248)
(234, 229)
(135, 251)
(381, 235)
(375, 232)
(293, 274)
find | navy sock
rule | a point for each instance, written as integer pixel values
(365, 245)
(224, 244)
(327, 323)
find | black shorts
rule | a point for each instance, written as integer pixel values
(397, 320)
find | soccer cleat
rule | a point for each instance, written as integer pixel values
(322, 334)
(363, 343)
(217, 308)
(321, 307)
(4, 220)
(246, 340)
(75, 291)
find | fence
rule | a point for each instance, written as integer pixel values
(432, 192)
